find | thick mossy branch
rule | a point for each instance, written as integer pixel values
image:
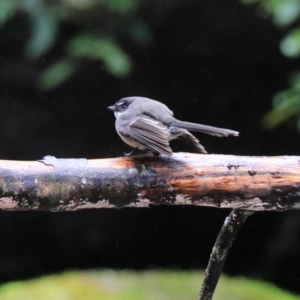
(225, 181)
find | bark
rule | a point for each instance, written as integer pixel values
(225, 181)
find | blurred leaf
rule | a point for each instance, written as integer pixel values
(115, 59)
(148, 285)
(290, 45)
(285, 12)
(44, 29)
(56, 74)
(7, 10)
(46, 17)
(286, 104)
(81, 4)
(281, 113)
(120, 6)
(294, 81)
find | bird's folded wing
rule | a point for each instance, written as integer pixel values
(151, 133)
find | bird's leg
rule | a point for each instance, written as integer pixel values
(154, 153)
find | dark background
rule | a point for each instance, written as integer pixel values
(212, 62)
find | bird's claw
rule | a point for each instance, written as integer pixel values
(129, 154)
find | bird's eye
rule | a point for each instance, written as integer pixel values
(124, 106)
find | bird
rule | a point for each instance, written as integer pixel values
(147, 124)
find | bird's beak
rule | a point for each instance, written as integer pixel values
(113, 108)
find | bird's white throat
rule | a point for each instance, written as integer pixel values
(117, 113)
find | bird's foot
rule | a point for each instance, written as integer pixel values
(129, 154)
(154, 153)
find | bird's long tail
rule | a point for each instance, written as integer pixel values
(215, 131)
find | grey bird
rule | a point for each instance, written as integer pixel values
(148, 124)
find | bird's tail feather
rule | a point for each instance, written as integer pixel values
(215, 131)
(192, 141)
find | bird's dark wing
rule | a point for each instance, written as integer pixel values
(151, 133)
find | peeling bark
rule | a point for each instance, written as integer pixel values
(225, 181)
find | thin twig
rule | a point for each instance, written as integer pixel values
(220, 250)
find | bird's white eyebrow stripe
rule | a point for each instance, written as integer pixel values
(120, 103)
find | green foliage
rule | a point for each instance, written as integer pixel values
(285, 14)
(122, 7)
(125, 285)
(286, 104)
(56, 74)
(88, 46)
(99, 26)
(7, 10)
(43, 27)
(290, 45)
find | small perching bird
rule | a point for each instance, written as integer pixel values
(147, 124)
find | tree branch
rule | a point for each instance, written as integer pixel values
(225, 181)
(220, 250)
